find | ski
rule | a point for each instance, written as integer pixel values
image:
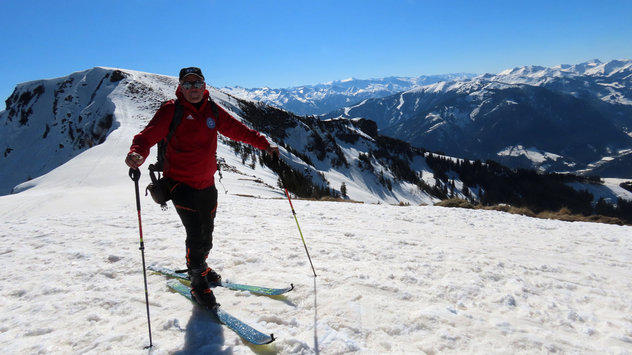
(265, 291)
(240, 328)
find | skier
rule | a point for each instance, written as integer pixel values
(189, 167)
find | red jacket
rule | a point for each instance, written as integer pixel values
(190, 155)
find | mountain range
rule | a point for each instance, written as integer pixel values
(47, 123)
(567, 118)
(324, 98)
(574, 118)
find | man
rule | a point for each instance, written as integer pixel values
(190, 165)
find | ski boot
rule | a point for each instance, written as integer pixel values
(199, 288)
(212, 277)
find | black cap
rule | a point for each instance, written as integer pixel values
(191, 70)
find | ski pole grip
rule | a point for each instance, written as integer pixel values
(134, 174)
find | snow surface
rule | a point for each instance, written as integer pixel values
(532, 153)
(391, 279)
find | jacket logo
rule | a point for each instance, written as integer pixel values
(189, 117)
(210, 123)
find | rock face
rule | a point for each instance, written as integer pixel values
(61, 117)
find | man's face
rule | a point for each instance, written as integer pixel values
(191, 92)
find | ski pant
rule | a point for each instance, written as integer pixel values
(197, 209)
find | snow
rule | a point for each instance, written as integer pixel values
(610, 190)
(391, 279)
(531, 153)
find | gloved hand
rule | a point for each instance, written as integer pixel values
(134, 160)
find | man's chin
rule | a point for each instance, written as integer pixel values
(195, 99)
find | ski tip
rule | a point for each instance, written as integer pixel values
(291, 287)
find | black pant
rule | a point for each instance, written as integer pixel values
(196, 209)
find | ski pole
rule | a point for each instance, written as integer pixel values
(135, 175)
(299, 230)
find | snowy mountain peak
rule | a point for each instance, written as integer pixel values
(593, 68)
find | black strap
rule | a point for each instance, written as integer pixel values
(162, 145)
(213, 108)
(175, 122)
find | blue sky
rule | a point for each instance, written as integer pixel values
(283, 43)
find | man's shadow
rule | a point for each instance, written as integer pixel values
(204, 335)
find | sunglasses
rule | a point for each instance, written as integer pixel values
(192, 84)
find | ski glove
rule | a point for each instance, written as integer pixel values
(134, 160)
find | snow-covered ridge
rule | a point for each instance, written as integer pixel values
(591, 68)
(47, 122)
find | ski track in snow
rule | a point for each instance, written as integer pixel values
(391, 280)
